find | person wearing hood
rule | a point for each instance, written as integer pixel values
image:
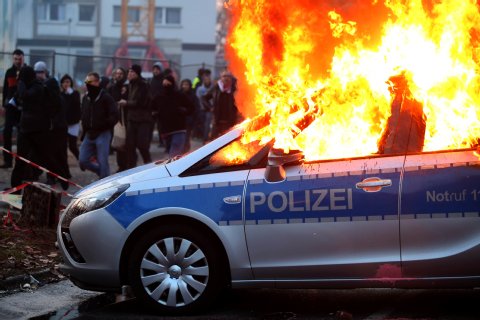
(139, 118)
(99, 116)
(55, 106)
(35, 127)
(173, 108)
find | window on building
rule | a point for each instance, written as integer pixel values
(42, 12)
(86, 12)
(117, 14)
(158, 15)
(167, 16)
(133, 14)
(57, 12)
(51, 12)
(172, 16)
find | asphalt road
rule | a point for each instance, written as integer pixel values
(62, 297)
(273, 304)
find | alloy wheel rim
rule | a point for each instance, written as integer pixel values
(174, 272)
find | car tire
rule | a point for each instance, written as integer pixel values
(176, 269)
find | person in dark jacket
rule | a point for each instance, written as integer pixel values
(155, 88)
(174, 107)
(12, 107)
(99, 115)
(59, 141)
(155, 85)
(206, 108)
(71, 97)
(139, 118)
(186, 88)
(56, 109)
(35, 126)
(221, 99)
(119, 91)
(118, 88)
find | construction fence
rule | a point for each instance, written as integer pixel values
(78, 66)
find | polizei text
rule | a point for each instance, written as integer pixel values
(307, 200)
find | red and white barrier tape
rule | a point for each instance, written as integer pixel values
(23, 185)
(20, 187)
(33, 164)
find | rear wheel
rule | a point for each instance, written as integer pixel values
(176, 269)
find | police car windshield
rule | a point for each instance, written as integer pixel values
(233, 156)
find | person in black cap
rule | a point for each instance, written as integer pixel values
(139, 118)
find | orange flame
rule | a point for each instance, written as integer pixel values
(329, 61)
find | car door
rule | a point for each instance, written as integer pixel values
(440, 222)
(322, 222)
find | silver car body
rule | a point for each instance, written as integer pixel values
(377, 221)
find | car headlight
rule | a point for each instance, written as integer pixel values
(92, 202)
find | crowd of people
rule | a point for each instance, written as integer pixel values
(53, 117)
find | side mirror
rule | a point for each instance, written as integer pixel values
(276, 159)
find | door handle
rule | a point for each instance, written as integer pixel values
(233, 199)
(373, 184)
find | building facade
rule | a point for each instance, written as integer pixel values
(85, 34)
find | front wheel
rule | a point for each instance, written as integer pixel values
(176, 269)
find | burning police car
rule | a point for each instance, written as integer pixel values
(178, 232)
